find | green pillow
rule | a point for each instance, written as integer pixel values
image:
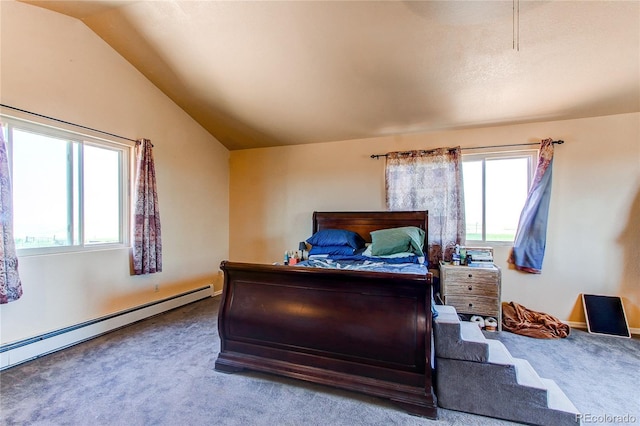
(397, 240)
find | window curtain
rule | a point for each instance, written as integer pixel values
(10, 284)
(531, 236)
(147, 241)
(430, 180)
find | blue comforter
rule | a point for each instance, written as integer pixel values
(355, 263)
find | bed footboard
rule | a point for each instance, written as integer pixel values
(368, 332)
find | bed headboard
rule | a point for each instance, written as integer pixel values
(365, 222)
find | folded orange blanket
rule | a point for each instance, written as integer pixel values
(520, 320)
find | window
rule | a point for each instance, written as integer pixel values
(70, 191)
(495, 189)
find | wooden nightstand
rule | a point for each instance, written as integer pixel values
(472, 291)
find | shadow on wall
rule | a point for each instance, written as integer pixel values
(629, 287)
(630, 277)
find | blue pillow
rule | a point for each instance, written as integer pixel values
(332, 250)
(336, 237)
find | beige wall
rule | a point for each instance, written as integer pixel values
(55, 65)
(594, 226)
(260, 204)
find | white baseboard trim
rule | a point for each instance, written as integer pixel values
(217, 293)
(583, 326)
(15, 353)
(575, 324)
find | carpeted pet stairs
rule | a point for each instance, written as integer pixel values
(479, 376)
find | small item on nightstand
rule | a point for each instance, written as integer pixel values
(286, 258)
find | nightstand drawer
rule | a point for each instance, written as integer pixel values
(464, 275)
(472, 288)
(474, 305)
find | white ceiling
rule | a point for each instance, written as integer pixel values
(266, 73)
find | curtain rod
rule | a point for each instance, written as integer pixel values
(558, 142)
(67, 122)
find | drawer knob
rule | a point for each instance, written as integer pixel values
(470, 288)
(471, 305)
(470, 276)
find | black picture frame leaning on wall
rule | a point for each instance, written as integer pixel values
(605, 315)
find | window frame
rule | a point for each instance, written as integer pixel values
(124, 189)
(530, 154)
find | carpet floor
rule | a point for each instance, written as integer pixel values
(160, 371)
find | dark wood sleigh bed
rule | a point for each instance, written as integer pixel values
(369, 332)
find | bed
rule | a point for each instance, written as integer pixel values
(364, 331)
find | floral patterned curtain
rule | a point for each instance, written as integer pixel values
(430, 180)
(531, 236)
(147, 241)
(10, 285)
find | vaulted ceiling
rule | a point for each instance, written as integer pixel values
(267, 73)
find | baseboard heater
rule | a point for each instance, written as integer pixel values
(24, 350)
